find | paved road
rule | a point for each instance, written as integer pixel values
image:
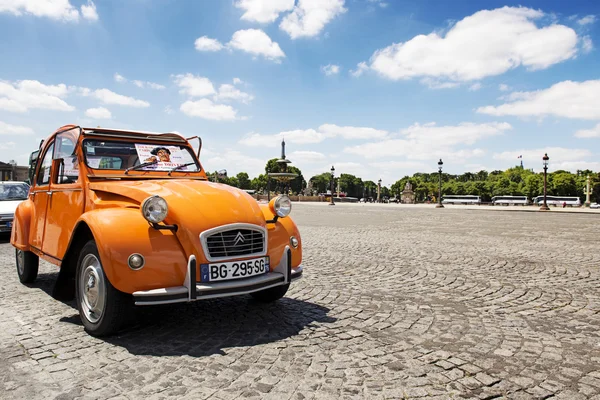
(396, 303)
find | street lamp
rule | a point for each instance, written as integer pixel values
(544, 206)
(379, 191)
(331, 203)
(439, 204)
(268, 184)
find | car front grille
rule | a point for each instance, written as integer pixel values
(235, 243)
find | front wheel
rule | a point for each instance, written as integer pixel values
(272, 294)
(102, 307)
(27, 266)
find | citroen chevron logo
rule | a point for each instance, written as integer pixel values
(239, 238)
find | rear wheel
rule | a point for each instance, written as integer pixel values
(102, 307)
(27, 266)
(272, 294)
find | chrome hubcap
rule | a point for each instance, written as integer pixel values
(21, 262)
(92, 289)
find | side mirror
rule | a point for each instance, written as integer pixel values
(55, 170)
(222, 174)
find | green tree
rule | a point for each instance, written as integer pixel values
(243, 180)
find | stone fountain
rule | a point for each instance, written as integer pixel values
(283, 177)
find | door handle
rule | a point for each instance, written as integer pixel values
(49, 193)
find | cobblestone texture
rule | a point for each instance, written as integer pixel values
(396, 303)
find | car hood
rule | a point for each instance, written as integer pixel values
(194, 205)
(9, 206)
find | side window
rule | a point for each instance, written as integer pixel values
(43, 176)
(65, 149)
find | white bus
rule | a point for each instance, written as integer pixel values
(461, 199)
(508, 200)
(558, 200)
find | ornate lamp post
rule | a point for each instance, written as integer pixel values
(544, 206)
(587, 192)
(331, 203)
(439, 204)
(268, 185)
(379, 191)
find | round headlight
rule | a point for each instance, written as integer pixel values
(282, 206)
(155, 209)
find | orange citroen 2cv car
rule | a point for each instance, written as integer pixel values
(131, 218)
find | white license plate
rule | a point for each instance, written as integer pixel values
(226, 270)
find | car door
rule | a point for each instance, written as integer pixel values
(40, 194)
(65, 203)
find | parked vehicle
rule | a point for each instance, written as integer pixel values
(461, 199)
(558, 201)
(130, 217)
(11, 195)
(594, 205)
(510, 200)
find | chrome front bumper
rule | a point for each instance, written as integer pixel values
(192, 290)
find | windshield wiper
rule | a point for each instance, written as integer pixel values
(140, 166)
(181, 166)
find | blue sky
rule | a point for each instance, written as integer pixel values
(378, 88)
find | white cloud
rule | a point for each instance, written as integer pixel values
(60, 10)
(155, 86)
(560, 157)
(352, 132)
(237, 81)
(258, 43)
(169, 110)
(434, 83)
(309, 17)
(330, 69)
(263, 11)
(475, 87)
(360, 69)
(586, 44)
(589, 133)
(98, 113)
(312, 136)
(588, 19)
(229, 92)
(568, 99)
(503, 87)
(487, 43)
(306, 156)
(8, 129)
(151, 85)
(22, 96)
(206, 109)
(205, 43)
(109, 97)
(298, 136)
(119, 78)
(88, 11)
(235, 162)
(7, 145)
(194, 86)
(423, 142)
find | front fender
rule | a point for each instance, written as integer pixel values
(120, 232)
(19, 236)
(279, 237)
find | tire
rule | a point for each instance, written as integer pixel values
(102, 308)
(27, 265)
(272, 294)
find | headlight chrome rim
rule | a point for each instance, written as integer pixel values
(155, 209)
(282, 206)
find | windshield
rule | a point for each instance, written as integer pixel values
(122, 155)
(13, 191)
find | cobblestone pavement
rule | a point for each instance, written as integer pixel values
(396, 303)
